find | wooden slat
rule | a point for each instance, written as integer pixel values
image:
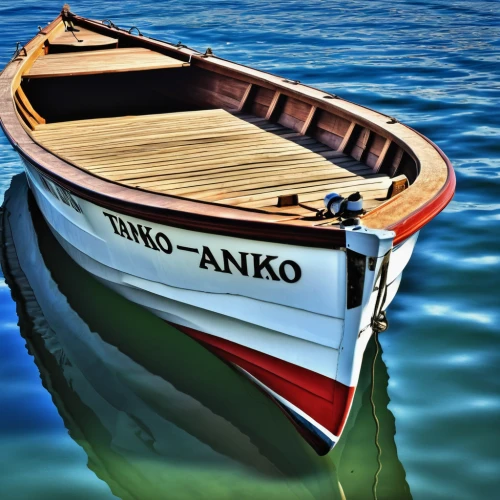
(396, 161)
(157, 144)
(22, 97)
(148, 178)
(347, 136)
(258, 179)
(262, 169)
(237, 153)
(309, 119)
(266, 183)
(245, 97)
(381, 156)
(164, 163)
(273, 104)
(263, 193)
(101, 61)
(32, 123)
(149, 148)
(358, 150)
(210, 155)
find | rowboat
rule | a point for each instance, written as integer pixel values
(268, 220)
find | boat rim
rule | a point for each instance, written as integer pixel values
(400, 214)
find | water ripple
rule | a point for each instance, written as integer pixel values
(434, 64)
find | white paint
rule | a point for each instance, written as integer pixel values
(92, 232)
(305, 323)
(302, 352)
(316, 328)
(400, 257)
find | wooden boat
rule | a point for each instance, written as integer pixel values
(268, 220)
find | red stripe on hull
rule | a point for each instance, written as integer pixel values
(325, 400)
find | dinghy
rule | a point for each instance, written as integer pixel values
(268, 220)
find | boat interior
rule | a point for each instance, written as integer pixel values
(149, 120)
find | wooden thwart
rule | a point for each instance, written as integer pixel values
(100, 61)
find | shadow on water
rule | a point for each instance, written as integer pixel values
(159, 415)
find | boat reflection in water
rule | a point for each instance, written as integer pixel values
(157, 414)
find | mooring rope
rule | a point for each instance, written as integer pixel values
(379, 319)
(377, 423)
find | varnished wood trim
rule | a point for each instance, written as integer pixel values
(347, 137)
(399, 184)
(34, 49)
(396, 161)
(51, 26)
(364, 136)
(245, 97)
(308, 121)
(272, 106)
(413, 220)
(26, 116)
(381, 157)
(22, 97)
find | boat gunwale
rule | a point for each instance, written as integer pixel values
(219, 218)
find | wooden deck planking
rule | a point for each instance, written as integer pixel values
(175, 157)
(210, 155)
(96, 137)
(188, 164)
(156, 155)
(145, 149)
(245, 176)
(154, 178)
(159, 146)
(100, 61)
(325, 185)
(209, 191)
(212, 172)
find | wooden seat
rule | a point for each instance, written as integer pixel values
(100, 61)
(213, 156)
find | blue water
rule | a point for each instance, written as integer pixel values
(434, 65)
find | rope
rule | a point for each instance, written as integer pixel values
(73, 33)
(379, 319)
(377, 423)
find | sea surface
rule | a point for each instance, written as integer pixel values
(99, 399)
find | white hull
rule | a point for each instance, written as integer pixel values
(285, 302)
